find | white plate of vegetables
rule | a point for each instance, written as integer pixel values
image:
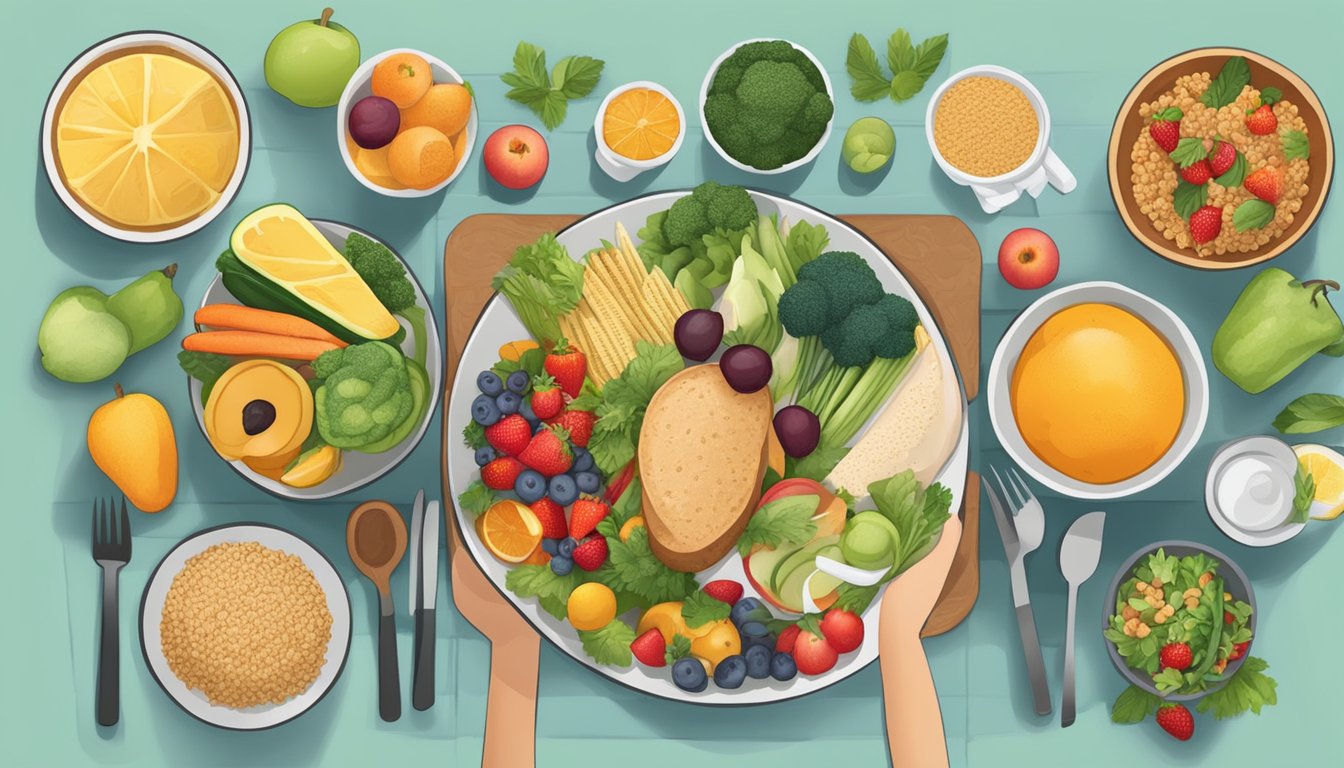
(316, 363)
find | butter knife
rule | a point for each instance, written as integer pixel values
(424, 583)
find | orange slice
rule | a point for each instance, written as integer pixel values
(510, 531)
(147, 140)
(641, 124)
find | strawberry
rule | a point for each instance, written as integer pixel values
(552, 518)
(787, 639)
(843, 630)
(813, 654)
(1239, 650)
(500, 473)
(1206, 223)
(1177, 720)
(591, 553)
(568, 365)
(650, 649)
(727, 590)
(617, 487)
(548, 452)
(1261, 120)
(1222, 157)
(1266, 184)
(1176, 656)
(585, 515)
(1197, 173)
(1166, 128)
(1228, 618)
(547, 399)
(579, 425)
(510, 435)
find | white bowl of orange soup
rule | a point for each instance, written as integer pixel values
(1098, 391)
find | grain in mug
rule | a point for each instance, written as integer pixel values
(245, 625)
(985, 126)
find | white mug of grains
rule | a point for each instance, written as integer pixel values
(989, 129)
(638, 126)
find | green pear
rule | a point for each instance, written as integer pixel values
(80, 340)
(148, 307)
(310, 62)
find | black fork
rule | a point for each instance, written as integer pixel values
(111, 550)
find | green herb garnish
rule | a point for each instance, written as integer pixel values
(548, 95)
(1311, 413)
(1295, 146)
(1227, 86)
(609, 645)
(911, 66)
(1189, 198)
(1252, 214)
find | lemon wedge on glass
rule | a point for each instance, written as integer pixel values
(147, 140)
(1327, 468)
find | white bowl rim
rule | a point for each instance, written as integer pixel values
(1187, 352)
(709, 137)
(1037, 103)
(200, 55)
(617, 157)
(361, 77)
(1267, 538)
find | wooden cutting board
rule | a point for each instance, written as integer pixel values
(938, 254)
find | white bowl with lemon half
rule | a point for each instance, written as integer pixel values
(154, 171)
(1098, 391)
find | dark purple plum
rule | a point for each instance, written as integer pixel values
(746, 368)
(798, 430)
(698, 333)
(374, 122)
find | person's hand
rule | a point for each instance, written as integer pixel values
(910, 703)
(511, 705)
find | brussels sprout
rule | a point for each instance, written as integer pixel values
(869, 144)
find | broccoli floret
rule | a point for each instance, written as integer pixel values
(861, 331)
(839, 299)
(767, 104)
(381, 270)
(364, 395)
(709, 208)
(804, 308)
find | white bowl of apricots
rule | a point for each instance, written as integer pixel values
(406, 123)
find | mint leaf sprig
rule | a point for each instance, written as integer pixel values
(548, 95)
(911, 66)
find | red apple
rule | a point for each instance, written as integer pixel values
(1028, 258)
(516, 156)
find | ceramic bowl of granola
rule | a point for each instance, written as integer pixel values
(1220, 158)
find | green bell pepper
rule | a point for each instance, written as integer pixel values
(1276, 324)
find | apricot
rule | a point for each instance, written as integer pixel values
(402, 78)
(131, 440)
(421, 157)
(445, 107)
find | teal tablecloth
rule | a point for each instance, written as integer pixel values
(1083, 59)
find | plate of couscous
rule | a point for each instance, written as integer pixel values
(1220, 158)
(245, 627)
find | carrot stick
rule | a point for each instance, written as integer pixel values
(253, 344)
(240, 318)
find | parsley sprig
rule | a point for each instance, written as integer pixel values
(548, 95)
(911, 66)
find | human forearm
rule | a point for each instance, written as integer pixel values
(913, 719)
(511, 707)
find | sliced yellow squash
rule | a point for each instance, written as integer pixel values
(285, 248)
(313, 467)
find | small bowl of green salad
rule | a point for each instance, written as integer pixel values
(1179, 619)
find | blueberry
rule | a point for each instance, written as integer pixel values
(485, 456)
(561, 565)
(563, 490)
(782, 666)
(518, 382)
(549, 546)
(767, 642)
(749, 609)
(753, 629)
(508, 402)
(530, 486)
(484, 411)
(566, 546)
(588, 482)
(583, 460)
(758, 659)
(525, 410)
(731, 672)
(489, 384)
(689, 674)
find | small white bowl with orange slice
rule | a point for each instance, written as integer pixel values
(434, 137)
(157, 167)
(639, 126)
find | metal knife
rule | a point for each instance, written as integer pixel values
(424, 583)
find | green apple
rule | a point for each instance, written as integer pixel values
(869, 144)
(870, 541)
(148, 307)
(79, 339)
(309, 63)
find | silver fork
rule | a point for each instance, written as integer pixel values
(1022, 532)
(111, 551)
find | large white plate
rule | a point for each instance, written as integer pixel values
(357, 469)
(498, 324)
(193, 702)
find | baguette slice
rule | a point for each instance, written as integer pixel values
(702, 456)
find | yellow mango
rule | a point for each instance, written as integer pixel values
(131, 440)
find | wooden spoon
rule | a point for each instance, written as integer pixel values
(375, 534)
